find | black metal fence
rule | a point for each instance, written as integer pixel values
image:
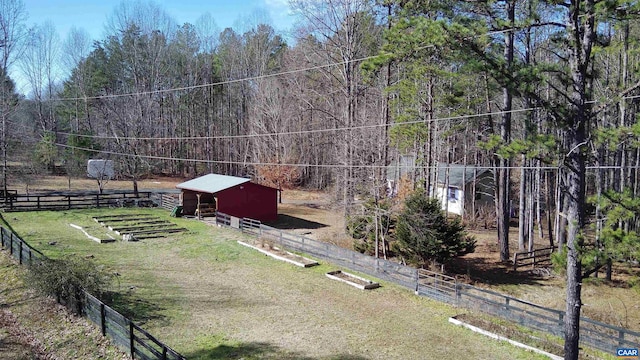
(604, 337)
(138, 343)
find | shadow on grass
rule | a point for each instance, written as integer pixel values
(288, 222)
(136, 308)
(256, 350)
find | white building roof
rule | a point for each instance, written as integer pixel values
(212, 183)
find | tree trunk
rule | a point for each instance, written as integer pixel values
(548, 207)
(503, 171)
(582, 37)
(522, 237)
(575, 215)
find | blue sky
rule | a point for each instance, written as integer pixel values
(91, 15)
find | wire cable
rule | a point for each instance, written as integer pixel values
(315, 131)
(301, 132)
(339, 166)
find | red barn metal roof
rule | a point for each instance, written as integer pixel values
(212, 183)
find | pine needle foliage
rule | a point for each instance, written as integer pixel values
(425, 234)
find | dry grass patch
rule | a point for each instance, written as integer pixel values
(57, 183)
(34, 327)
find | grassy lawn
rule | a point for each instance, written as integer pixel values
(211, 298)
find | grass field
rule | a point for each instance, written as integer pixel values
(211, 298)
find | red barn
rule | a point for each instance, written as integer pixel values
(231, 195)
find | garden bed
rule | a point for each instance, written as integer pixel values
(511, 333)
(353, 280)
(280, 254)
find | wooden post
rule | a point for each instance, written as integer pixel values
(198, 207)
(103, 325)
(97, 200)
(11, 244)
(620, 338)
(131, 342)
(20, 253)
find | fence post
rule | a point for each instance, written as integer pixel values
(103, 325)
(620, 338)
(164, 352)
(11, 243)
(2, 235)
(20, 252)
(131, 342)
(97, 200)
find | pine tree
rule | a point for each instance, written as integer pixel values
(425, 234)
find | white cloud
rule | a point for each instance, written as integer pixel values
(277, 6)
(280, 12)
(277, 3)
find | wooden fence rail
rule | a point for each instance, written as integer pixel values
(76, 200)
(535, 257)
(168, 201)
(130, 337)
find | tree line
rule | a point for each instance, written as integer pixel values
(544, 93)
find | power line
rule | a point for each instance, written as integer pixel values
(340, 166)
(345, 128)
(301, 132)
